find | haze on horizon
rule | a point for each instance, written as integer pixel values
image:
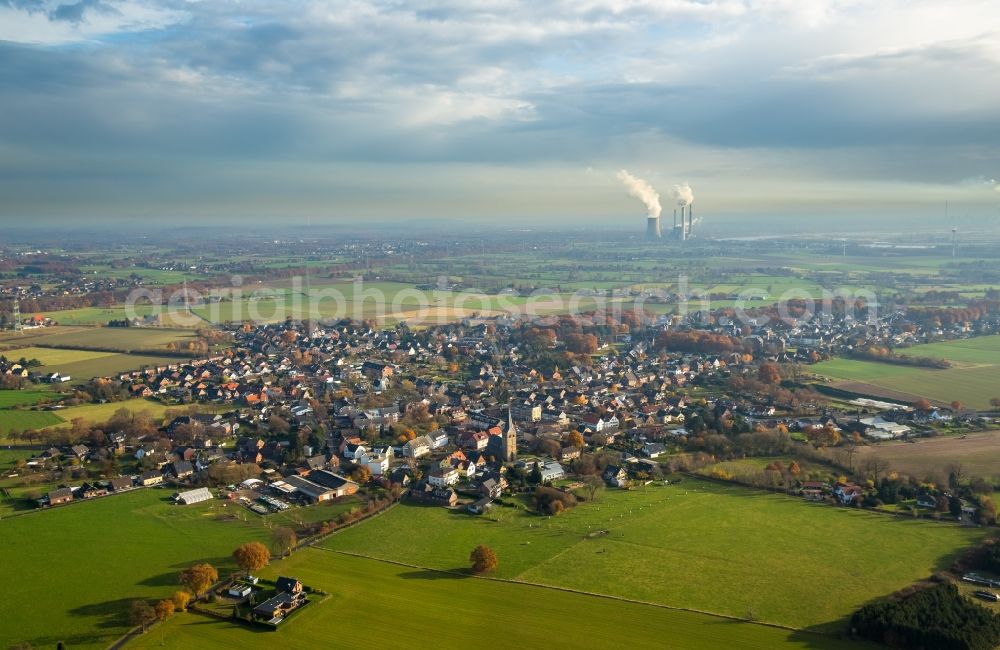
(144, 109)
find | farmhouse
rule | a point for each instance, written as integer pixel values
(274, 610)
(60, 496)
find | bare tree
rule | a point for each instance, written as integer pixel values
(875, 466)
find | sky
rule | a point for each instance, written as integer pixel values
(495, 110)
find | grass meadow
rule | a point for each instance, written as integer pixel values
(74, 569)
(404, 607)
(715, 548)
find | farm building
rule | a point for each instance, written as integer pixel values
(194, 496)
(60, 496)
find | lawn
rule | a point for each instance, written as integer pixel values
(77, 567)
(714, 548)
(411, 607)
(972, 379)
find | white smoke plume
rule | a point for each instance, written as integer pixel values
(683, 194)
(643, 191)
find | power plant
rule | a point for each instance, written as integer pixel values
(653, 228)
(684, 230)
(643, 191)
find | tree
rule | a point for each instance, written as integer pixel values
(181, 600)
(575, 439)
(140, 613)
(199, 577)
(768, 374)
(284, 539)
(922, 404)
(956, 406)
(361, 474)
(876, 466)
(252, 556)
(593, 484)
(483, 559)
(987, 511)
(995, 403)
(164, 610)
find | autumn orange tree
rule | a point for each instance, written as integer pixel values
(199, 577)
(252, 556)
(483, 559)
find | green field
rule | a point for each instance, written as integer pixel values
(973, 379)
(76, 568)
(96, 413)
(713, 548)
(10, 398)
(406, 607)
(22, 420)
(82, 365)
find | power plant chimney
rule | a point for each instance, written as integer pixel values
(653, 228)
(690, 219)
(684, 230)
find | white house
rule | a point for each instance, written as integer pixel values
(440, 477)
(376, 460)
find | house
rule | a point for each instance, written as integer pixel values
(417, 447)
(490, 488)
(377, 461)
(274, 610)
(240, 591)
(551, 471)
(848, 493)
(438, 439)
(615, 476)
(480, 506)
(193, 496)
(426, 493)
(121, 483)
(653, 449)
(182, 469)
(441, 477)
(288, 586)
(92, 490)
(150, 478)
(60, 496)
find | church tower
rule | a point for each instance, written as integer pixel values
(510, 438)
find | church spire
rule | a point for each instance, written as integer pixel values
(510, 438)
